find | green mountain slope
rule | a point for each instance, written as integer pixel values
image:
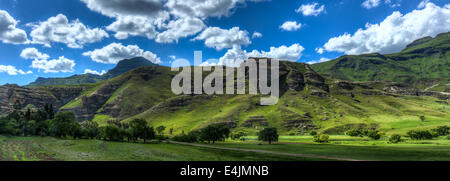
(308, 102)
(122, 67)
(423, 63)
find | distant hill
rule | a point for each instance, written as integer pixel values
(122, 67)
(424, 63)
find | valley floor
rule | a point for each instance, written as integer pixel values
(290, 148)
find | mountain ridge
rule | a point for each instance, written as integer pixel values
(122, 67)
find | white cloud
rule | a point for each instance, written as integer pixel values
(58, 29)
(54, 66)
(89, 71)
(115, 52)
(318, 61)
(256, 35)
(235, 56)
(394, 32)
(312, 9)
(320, 50)
(173, 57)
(115, 8)
(8, 31)
(11, 70)
(180, 28)
(33, 53)
(165, 21)
(125, 26)
(291, 53)
(291, 26)
(220, 38)
(369, 4)
(423, 3)
(203, 8)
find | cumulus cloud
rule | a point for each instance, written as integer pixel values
(61, 64)
(115, 8)
(236, 55)
(318, 61)
(423, 3)
(89, 71)
(180, 28)
(291, 26)
(369, 4)
(115, 52)
(126, 26)
(11, 70)
(58, 29)
(166, 21)
(33, 53)
(8, 31)
(320, 50)
(218, 38)
(312, 9)
(256, 35)
(394, 32)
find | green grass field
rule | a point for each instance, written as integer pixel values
(52, 149)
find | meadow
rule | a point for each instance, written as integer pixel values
(339, 146)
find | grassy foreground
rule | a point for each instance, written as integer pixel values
(52, 149)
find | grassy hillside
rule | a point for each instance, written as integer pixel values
(424, 63)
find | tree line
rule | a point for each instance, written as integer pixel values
(44, 122)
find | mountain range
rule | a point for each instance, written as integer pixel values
(389, 92)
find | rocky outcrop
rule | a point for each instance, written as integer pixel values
(255, 121)
(11, 95)
(94, 101)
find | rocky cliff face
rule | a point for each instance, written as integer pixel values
(11, 95)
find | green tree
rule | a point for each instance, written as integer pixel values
(160, 129)
(213, 133)
(138, 128)
(63, 124)
(268, 134)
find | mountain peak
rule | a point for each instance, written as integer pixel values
(127, 65)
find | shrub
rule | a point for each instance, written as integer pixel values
(321, 138)
(189, 138)
(354, 132)
(419, 135)
(395, 138)
(374, 134)
(441, 130)
(238, 135)
(313, 133)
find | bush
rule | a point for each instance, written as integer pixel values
(313, 133)
(238, 135)
(192, 137)
(354, 132)
(321, 138)
(448, 137)
(420, 135)
(395, 138)
(374, 134)
(441, 130)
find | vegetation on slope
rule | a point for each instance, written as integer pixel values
(423, 63)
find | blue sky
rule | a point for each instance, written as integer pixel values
(332, 28)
